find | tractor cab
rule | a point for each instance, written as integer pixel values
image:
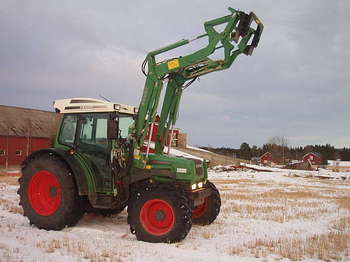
(96, 133)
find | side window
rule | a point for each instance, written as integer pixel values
(124, 124)
(101, 128)
(86, 133)
(101, 132)
(68, 129)
(93, 129)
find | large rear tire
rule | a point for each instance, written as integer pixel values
(48, 194)
(159, 213)
(206, 213)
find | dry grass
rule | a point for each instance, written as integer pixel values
(343, 202)
(10, 206)
(5, 203)
(81, 250)
(238, 196)
(275, 195)
(285, 202)
(278, 205)
(282, 194)
(342, 224)
(11, 180)
(233, 181)
(9, 254)
(242, 182)
(278, 213)
(207, 234)
(326, 247)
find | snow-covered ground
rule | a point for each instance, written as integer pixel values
(265, 216)
(320, 173)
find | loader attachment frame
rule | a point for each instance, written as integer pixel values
(182, 69)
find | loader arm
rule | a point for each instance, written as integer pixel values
(237, 37)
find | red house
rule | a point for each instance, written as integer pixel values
(23, 131)
(313, 158)
(266, 158)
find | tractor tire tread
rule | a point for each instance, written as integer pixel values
(180, 203)
(71, 208)
(213, 209)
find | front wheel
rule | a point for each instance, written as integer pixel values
(159, 214)
(207, 212)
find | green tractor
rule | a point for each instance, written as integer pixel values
(101, 161)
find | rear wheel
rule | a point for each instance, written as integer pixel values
(207, 212)
(159, 214)
(48, 194)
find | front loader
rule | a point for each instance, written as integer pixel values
(101, 161)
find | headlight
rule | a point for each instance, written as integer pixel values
(194, 186)
(200, 184)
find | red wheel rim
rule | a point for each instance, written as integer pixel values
(44, 193)
(200, 210)
(157, 217)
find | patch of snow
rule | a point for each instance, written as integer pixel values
(176, 152)
(304, 173)
(338, 163)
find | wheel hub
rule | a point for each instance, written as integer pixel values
(160, 216)
(157, 217)
(53, 192)
(44, 193)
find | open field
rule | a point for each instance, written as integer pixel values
(264, 217)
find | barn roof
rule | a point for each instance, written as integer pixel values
(17, 121)
(265, 154)
(313, 153)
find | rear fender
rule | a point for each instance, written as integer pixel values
(70, 161)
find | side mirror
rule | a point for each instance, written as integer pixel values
(112, 129)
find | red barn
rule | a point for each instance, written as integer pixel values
(172, 135)
(266, 158)
(23, 131)
(313, 158)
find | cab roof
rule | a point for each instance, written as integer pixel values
(89, 105)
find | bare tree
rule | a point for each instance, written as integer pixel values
(279, 146)
(279, 140)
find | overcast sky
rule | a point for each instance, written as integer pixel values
(296, 84)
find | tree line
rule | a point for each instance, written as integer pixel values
(282, 153)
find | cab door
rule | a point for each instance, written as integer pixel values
(92, 144)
